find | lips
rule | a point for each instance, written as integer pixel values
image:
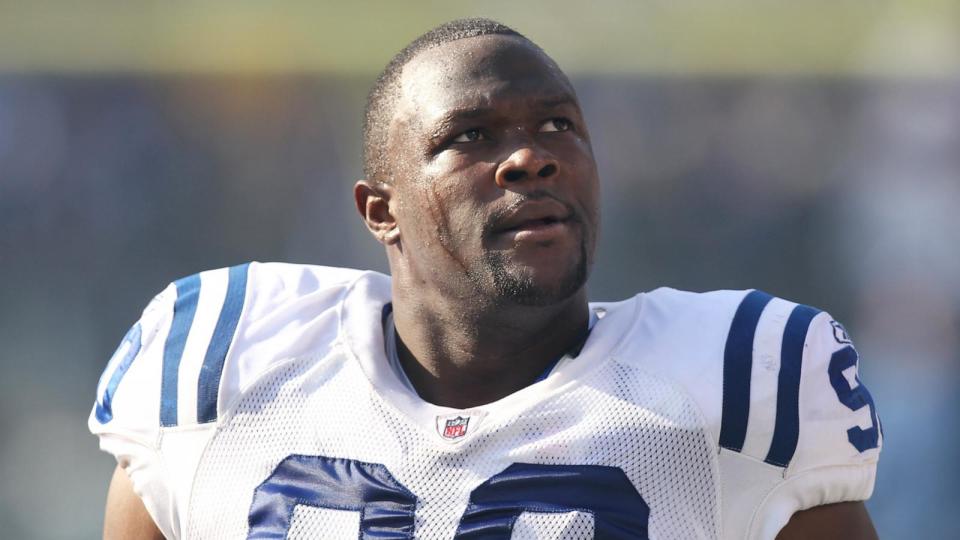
(533, 224)
(533, 215)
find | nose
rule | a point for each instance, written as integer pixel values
(526, 162)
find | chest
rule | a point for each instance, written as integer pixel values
(314, 451)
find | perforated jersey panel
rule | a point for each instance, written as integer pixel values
(310, 523)
(617, 416)
(542, 526)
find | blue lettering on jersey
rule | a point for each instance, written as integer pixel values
(122, 359)
(619, 512)
(387, 508)
(854, 399)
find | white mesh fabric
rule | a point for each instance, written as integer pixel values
(310, 523)
(617, 416)
(542, 526)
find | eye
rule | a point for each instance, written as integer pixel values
(556, 124)
(469, 135)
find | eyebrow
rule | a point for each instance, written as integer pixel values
(556, 101)
(469, 113)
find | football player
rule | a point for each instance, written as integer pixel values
(476, 393)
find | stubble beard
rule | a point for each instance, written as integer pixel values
(515, 287)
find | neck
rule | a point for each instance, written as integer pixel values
(459, 353)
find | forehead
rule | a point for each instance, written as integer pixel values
(477, 72)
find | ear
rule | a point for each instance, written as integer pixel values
(373, 203)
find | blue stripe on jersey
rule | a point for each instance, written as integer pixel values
(737, 364)
(104, 411)
(786, 430)
(184, 309)
(209, 384)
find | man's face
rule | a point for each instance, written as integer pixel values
(495, 182)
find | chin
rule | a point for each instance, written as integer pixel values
(541, 285)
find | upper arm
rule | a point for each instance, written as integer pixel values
(806, 441)
(125, 515)
(834, 467)
(841, 521)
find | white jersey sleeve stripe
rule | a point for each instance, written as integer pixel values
(208, 386)
(763, 378)
(184, 310)
(737, 363)
(760, 414)
(787, 429)
(213, 291)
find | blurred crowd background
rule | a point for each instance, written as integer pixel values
(810, 149)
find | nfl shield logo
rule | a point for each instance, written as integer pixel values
(455, 427)
(840, 333)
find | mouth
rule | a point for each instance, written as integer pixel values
(540, 231)
(541, 220)
(534, 224)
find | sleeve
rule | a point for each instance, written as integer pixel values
(181, 366)
(162, 393)
(838, 437)
(126, 415)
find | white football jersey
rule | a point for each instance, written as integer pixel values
(258, 402)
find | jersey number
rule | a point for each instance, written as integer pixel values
(855, 398)
(387, 508)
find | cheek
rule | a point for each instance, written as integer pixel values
(469, 172)
(437, 214)
(585, 182)
(459, 193)
(458, 219)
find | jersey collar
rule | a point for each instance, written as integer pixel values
(362, 332)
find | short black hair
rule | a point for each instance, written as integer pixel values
(383, 96)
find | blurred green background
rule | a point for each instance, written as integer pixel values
(811, 149)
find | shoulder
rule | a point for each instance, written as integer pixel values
(758, 358)
(196, 347)
(742, 351)
(200, 339)
(777, 384)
